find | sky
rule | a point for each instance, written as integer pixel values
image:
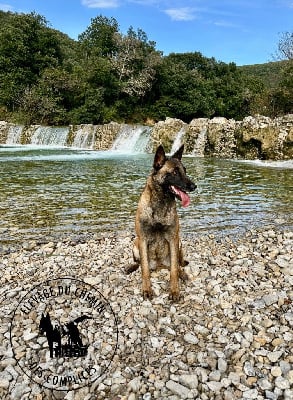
(240, 31)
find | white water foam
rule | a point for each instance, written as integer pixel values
(286, 164)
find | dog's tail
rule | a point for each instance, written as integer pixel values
(131, 268)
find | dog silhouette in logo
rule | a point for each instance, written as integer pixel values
(54, 334)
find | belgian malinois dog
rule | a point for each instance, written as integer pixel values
(157, 243)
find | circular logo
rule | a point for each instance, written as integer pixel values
(64, 334)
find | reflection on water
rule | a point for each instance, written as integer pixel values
(52, 192)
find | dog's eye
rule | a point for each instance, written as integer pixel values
(175, 172)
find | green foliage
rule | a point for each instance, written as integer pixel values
(268, 73)
(46, 77)
(281, 99)
(190, 85)
(27, 47)
(99, 38)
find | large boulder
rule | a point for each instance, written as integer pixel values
(165, 132)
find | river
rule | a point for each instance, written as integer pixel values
(51, 193)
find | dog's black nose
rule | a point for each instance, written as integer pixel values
(192, 186)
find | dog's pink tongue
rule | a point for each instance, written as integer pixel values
(185, 199)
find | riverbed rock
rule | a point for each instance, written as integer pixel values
(215, 342)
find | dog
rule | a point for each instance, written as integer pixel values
(157, 243)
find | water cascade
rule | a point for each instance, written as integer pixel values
(132, 140)
(14, 134)
(200, 142)
(50, 136)
(178, 141)
(84, 138)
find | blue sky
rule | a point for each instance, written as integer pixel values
(240, 31)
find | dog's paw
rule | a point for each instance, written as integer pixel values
(147, 294)
(174, 295)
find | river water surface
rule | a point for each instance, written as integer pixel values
(52, 193)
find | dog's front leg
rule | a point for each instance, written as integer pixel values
(174, 269)
(145, 270)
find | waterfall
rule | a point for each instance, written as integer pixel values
(132, 140)
(84, 138)
(178, 141)
(200, 142)
(14, 134)
(50, 136)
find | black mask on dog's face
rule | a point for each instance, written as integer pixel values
(171, 174)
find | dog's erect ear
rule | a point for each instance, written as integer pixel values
(160, 158)
(179, 153)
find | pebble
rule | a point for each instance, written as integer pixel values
(4, 383)
(282, 383)
(222, 365)
(264, 384)
(274, 356)
(214, 386)
(178, 389)
(190, 338)
(276, 371)
(250, 394)
(228, 337)
(189, 381)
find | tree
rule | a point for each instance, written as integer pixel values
(281, 98)
(285, 46)
(27, 47)
(99, 38)
(135, 62)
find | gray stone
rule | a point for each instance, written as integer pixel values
(282, 262)
(190, 338)
(135, 384)
(234, 377)
(285, 367)
(19, 390)
(190, 381)
(222, 365)
(214, 386)
(274, 356)
(270, 299)
(178, 389)
(250, 394)
(271, 395)
(215, 376)
(288, 394)
(282, 383)
(264, 384)
(249, 369)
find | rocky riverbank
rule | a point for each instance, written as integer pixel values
(229, 337)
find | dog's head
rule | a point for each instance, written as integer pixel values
(170, 174)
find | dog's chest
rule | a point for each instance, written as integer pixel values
(159, 218)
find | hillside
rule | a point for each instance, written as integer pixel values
(268, 73)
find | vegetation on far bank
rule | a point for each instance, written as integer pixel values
(48, 78)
